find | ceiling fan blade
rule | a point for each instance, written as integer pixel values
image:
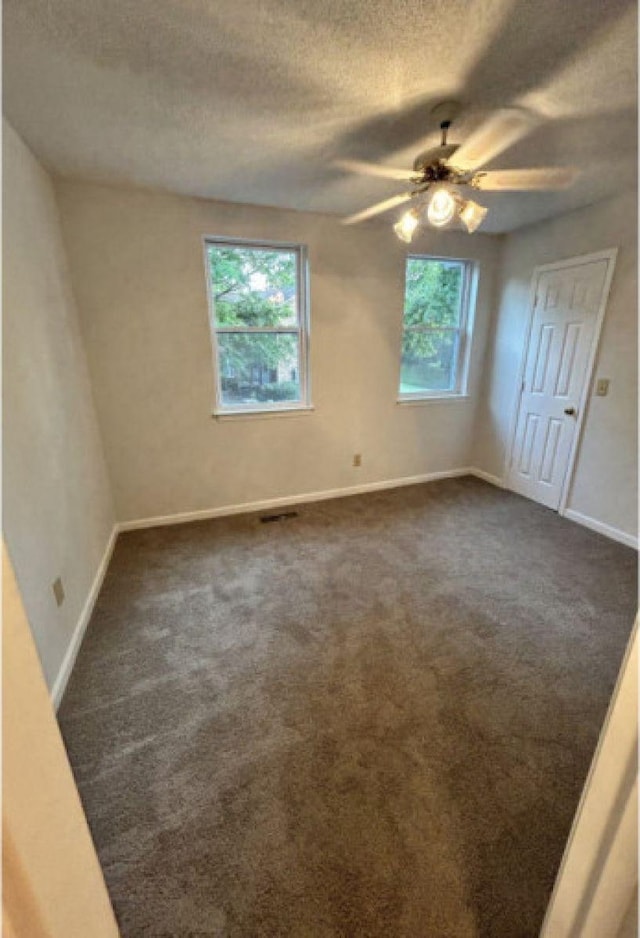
(375, 169)
(377, 209)
(504, 180)
(499, 132)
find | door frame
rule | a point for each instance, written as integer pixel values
(595, 882)
(609, 255)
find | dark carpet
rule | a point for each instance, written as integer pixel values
(374, 719)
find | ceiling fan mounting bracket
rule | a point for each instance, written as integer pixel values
(446, 112)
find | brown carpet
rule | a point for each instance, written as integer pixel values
(374, 719)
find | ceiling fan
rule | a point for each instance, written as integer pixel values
(440, 174)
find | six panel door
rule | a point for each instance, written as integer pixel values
(562, 332)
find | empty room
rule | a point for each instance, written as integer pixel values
(320, 469)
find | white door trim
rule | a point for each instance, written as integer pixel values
(596, 879)
(609, 256)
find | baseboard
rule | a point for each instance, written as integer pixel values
(486, 476)
(68, 662)
(60, 683)
(601, 528)
(246, 507)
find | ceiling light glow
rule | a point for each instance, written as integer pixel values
(442, 208)
(472, 215)
(407, 225)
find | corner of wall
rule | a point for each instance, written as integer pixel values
(478, 457)
(58, 502)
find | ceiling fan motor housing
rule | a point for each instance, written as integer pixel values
(434, 156)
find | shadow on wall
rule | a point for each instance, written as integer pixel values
(505, 348)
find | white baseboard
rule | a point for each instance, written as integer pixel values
(68, 662)
(614, 533)
(486, 476)
(246, 507)
(570, 514)
(60, 683)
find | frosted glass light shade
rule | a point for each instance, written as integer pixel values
(442, 207)
(407, 225)
(472, 215)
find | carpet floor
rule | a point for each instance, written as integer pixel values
(374, 719)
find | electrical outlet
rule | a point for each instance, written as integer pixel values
(602, 387)
(357, 460)
(58, 591)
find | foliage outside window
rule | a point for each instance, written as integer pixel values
(434, 327)
(258, 323)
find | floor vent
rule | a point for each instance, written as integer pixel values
(283, 516)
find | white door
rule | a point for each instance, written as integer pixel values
(568, 300)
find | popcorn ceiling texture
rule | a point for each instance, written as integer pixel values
(249, 101)
(372, 720)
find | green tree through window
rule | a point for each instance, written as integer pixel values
(433, 325)
(257, 324)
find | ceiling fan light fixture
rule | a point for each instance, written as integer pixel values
(439, 172)
(442, 208)
(472, 215)
(406, 226)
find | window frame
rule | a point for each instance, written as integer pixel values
(302, 329)
(464, 330)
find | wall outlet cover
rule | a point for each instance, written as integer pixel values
(602, 387)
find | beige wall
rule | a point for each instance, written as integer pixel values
(604, 486)
(58, 512)
(137, 267)
(52, 882)
(136, 263)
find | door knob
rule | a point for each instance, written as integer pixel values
(570, 411)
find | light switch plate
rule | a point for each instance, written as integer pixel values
(602, 387)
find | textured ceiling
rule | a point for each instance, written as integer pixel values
(250, 100)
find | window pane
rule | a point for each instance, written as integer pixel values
(259, 368)
(433, 292)
(253, 286)
(428, 361)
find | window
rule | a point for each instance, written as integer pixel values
(258, 316)
(435, 328)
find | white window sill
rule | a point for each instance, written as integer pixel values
(302, 411)
(433, 399)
